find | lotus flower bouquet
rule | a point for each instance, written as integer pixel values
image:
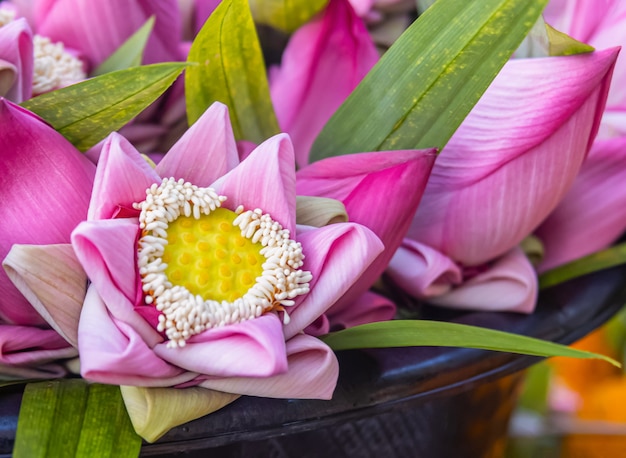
(197, 238)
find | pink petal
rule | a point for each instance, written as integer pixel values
(16, 47)
(598, 196)
(509, 285)
(323, 62)
(122, 178)
(37, 208)
(422, 271)
(254, 348)
(31, 346)
(53, 281)
(273, 190)
(205, 152)
(514, 157)
(112, 352)
(369, 308)
(336, 255)
(312, 374)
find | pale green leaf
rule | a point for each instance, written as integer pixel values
(419, 333)
(611, 257)
(285, 15)
(130, 53)
(227, 66)
(88, 111)
(70, 417)
(429, 80)
(562, 44)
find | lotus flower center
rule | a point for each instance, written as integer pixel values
(6, 16)
(210, 257)
(204, 266)
(54, 67)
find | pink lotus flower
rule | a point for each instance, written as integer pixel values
(46, 186)
(505, 169)
(121, 338)
(16, 61)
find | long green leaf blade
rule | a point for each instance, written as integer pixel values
(428, 81)
(411, 333)
(88, 111)
(285, 15)
(227, 66)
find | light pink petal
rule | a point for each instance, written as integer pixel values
(122, 178)
(362, 7)
(312, 374)
(16, 48)
(508, 285)
(336, 255)
(37, 208)
(514, 157)
(591, 216)
(254, 348)
(369, 308)
(265, 180)
(39, 371)
(323, 62)
(53, 281)
(31, 346)
(422, 271)
(205, 152)
(112, 352)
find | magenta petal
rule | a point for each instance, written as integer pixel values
(205, 152)
(254, 348)
(31, 346)
(37, 208)
(509, 285)
(514, 157)
(422, 271)
(16, 47)
(336, 256)
(112, 352)
(323, 62)
(265, 180)
(122, 178)
(369, 308)
(312, 374)
(590, 217)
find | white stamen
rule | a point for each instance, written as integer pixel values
(6, 16)
(54, 67)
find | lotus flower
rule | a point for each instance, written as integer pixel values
(16, 60)
(505, 169)
(47, 184)
(128, 334)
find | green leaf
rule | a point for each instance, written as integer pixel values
(429, 80)
(130, 53)
(74, 418)
(229, 68)
(88, 111)
(285, 15)
(413, 333)
(562, 44)
(605, 259)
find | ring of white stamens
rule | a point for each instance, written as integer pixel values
(54, 67)
(185, 314)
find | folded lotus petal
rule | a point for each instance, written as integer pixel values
(254, 348)
(319, 327)
(53, 281)
(514, 157)
(8, 75)
(335, 255)
(319, 211)
(122, 178)
(369, 308)
(510, 284)
(41, 371)
(597, 196)
(16, 48)
(97, 29)
(28, 345)
(266, 180)
(380, 190)
(205, 152)
(112, 352)
(42, 207)
(422, 271)
(323, 62)
(362, 7)
(312, 374)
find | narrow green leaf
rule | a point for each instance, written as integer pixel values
(74, 418)
(130, 53)
(413, 333)
(285, 15)
(562, 44)
(429, 80)
(605, 259)
(88, 111)
(229, 68)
